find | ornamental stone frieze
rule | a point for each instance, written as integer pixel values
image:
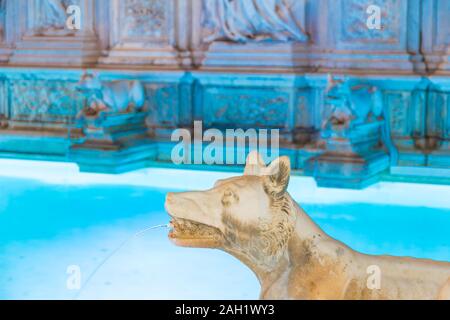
(292, 36)
(230, 64)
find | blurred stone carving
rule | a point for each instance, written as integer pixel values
(144, 18)
(2, 18)
(434, 140)
(251, 20)
(245, 108)
(115, 96)
(44, 101)
(354, 134)
(113, 120)
(51, 17)
(354, 26)
(349, 106)
(162, 100)
(143, 32)
(340, 110)
(3, 122)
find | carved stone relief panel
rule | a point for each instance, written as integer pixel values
(438, 124)
(44, 101)
(51, 18)
(47, 31)
(163, 104)
(141, 32)
(235, 107)
(398, 104)
(144, 20)
(48, 18)
(354, 29)
(405, 135)
(253, 20)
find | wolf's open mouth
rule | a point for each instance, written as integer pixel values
(188, 233)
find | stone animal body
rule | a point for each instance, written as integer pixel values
(113, 96)
(254, 218)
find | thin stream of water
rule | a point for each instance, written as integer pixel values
(112, 253)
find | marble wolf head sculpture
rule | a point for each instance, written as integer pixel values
(254, 218)
(249, 216)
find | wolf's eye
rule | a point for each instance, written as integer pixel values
(229, 197)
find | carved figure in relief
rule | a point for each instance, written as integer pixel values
(349, 105)
(338, 100)
(251, 20)
(52, 17)
(112, 96)
(254, 218)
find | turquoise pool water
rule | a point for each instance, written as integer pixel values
(53, 218)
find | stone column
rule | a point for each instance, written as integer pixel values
(6, 29)
(4, 107)
(435, 35)
(438, 123)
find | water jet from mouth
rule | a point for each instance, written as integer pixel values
(117, 249)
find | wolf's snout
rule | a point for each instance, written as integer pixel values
(187, 205)
(177, 203)
(169, 201)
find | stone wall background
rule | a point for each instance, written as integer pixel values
(239, 63)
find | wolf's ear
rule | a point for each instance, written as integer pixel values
(277, 175)
(254, 165)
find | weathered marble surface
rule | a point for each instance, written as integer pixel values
(228, 34)
(354, 136)
(237, 63)
(251, 20)
(253, 218)
(51, 17)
